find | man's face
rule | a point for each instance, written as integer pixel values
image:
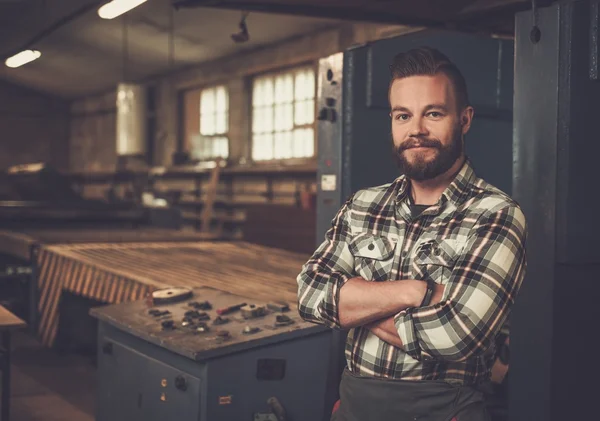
(427, 127)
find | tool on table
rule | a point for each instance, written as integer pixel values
(230, 309)
(252, 311)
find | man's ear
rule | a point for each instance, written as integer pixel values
(466, 119)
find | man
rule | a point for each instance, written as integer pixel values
(422, 271)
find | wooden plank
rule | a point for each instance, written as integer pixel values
(9, 321)
(236, 267)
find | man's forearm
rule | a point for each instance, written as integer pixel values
(362, 302)
(385, 329)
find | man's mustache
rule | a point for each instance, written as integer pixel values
(419, 143)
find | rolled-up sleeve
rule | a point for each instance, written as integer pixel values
(324, 274)
(485, 280)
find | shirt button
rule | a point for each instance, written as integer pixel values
(371, 247)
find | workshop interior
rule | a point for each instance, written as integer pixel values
(168, 166)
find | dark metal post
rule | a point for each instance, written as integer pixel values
(4, 416)
(554, 369)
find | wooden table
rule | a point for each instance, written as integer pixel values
(25, 244)
(113, 273)
(8, 323)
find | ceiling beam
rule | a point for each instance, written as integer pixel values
(311, 10)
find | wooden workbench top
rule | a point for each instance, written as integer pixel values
(9, 320)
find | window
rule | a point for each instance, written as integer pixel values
(283, 115)
(212, 139)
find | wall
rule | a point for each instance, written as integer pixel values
(93, 123)
(33, 128)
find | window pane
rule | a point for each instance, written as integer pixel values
(305, 112)
(288, 116)
(262, 147)
(303, 143)
(207, 126)
(309, 110)
(283, 145)
(284, 89)
(220, 147)
(221, 99)
(279, 117)
(214, 115)
(267, 116)
(267, 93)
(207, 101)
(257, 93)
(305, 84)
(221, 122)
(256, 120)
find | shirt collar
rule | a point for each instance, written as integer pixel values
(453, 193)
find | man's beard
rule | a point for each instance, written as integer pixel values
(420, 169)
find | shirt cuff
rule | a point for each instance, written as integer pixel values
(406, 330)
(329, 307)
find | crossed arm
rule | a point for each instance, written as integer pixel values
(462, 319)
(373, 304)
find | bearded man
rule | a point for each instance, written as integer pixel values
(422, 271)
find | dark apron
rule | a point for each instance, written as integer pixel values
(370, 399)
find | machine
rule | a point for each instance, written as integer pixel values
(207, 355)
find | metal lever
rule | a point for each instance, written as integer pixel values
(277, 408)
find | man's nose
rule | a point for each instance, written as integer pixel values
(417, 127)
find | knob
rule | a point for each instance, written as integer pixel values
(327, 114)
(107, 348)
(181, 383)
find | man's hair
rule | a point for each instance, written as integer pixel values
(426, 61)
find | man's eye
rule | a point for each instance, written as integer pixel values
(435, 114)
(402, 117)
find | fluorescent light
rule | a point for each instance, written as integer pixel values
(22, 58)
(117, 8)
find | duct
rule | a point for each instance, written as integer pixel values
(131, 120)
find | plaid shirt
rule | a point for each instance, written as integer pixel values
(472, 241)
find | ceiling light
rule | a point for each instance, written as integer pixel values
(117, 7)
(243, 35)
(22, 58)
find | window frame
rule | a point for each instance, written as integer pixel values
(314, 65)
(196, 112)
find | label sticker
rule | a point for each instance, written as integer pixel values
(225, 400)
(328, 182)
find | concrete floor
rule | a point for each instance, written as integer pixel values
(48, 386)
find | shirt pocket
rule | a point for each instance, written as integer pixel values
(435, 259)
(373, 255)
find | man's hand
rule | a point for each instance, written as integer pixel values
(438, 292)
(385, 330)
